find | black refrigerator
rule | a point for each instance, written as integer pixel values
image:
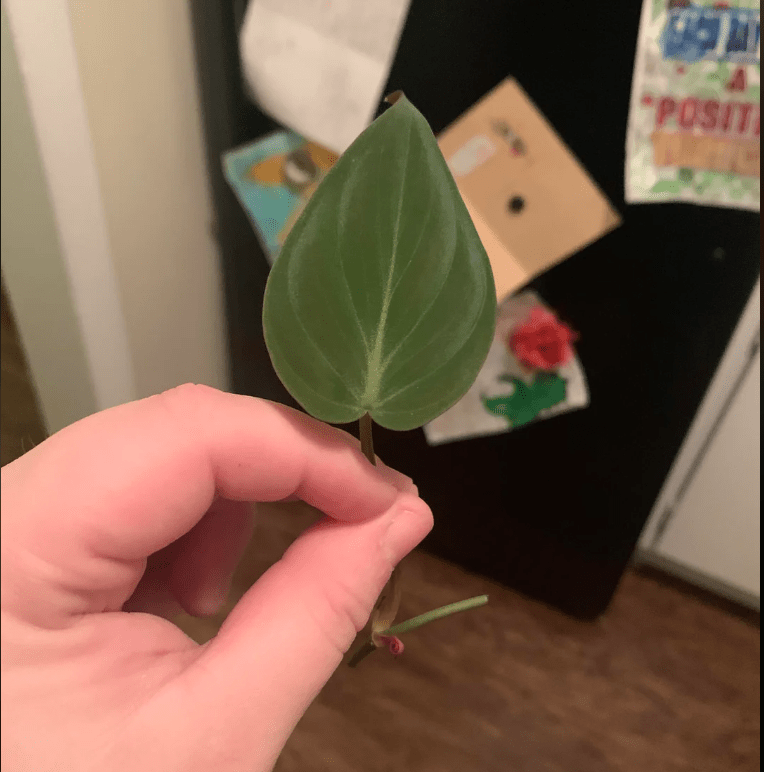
(553, 509)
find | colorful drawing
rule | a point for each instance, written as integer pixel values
(531, 374)
(274, 178)
(694, 129)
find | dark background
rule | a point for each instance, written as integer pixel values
(553, 509)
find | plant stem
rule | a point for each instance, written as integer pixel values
(392, 588)
(414, 622)
(438, 613)
(367, 441)
(362, 653)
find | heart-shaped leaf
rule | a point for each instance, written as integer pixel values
(382, 299)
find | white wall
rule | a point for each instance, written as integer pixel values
(46, 60)
(34, 268)
(138, 76)
(113, 110)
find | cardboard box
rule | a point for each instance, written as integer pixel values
(532, 202)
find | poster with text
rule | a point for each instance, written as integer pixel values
(695, 120)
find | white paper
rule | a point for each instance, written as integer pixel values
(319, 66)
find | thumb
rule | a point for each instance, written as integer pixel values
(288, 634)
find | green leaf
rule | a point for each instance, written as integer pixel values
(382, 299)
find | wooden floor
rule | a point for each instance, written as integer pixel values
(665, 681)
(22, 427)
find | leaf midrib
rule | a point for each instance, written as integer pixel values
(374, 367)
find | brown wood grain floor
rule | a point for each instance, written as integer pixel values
(21, 426)
(666, 681)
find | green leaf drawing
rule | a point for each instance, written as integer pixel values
(667, 186)
(526, 402)
(382, 299)
(685, 176)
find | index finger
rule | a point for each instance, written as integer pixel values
(127, 482)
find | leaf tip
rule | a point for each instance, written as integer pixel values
(391, 99)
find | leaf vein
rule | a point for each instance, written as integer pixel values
(424, 313)
(318, 349)
(413, 383)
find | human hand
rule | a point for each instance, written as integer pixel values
(144, 508)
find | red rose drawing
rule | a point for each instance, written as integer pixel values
(542, 341)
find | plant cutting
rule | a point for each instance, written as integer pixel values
(381, 306)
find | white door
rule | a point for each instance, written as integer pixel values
(716, 527)
(705, 525)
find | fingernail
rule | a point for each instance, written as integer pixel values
(408, 526)
(397, 479)
(211, 599)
